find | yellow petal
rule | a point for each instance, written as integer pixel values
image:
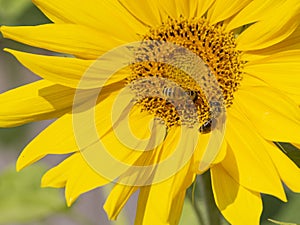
(253, 12)
(279, 70)
(146, 11)
(164, 161)
(224, 9)
(58, 138)
(247, 160)
(176, 208)
(174, 186)
(146, 167)
(203, 6)
(287, 169)
(40, 100)
(295, 98)
(120, 23)
(128, 146)
(200, 150)
(163, 195)
(76, 175)
(273, 115)
(209, 150)
(222, 153)
(271, 30)
(250, 81)
(68, 71)
(85, 179)
(239, 205)
(118, 149)
(187, 9)
(116, 200)
(57, 176)
(290, 43)
(65, 38)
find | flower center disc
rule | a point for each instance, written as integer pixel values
(209, 42)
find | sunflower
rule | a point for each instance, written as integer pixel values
(250, 48)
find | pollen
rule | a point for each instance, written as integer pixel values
(212, 44)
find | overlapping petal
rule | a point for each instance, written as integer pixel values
(76, 175)
(263, 106)
(223, 10)
(177, 205)
(150, 17)
(271, 30)
(253, 12)
(289, 172)
(278, 70)
(37, 101)
(203, 6)
(117, 198)
(120, 23)
(71, 39)
(187, 9)
(287, 45)
(70, 71)
(58, 138)
(246, 148)
(174, 212)
(153, 196)
(239, 205)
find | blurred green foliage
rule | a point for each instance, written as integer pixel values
(11, 10)
(20, 12)
(280, 211)
(22, 198)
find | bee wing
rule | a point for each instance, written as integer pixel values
(214, 145)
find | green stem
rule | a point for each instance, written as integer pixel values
(205, 207)
(196, 210)
(212, 211)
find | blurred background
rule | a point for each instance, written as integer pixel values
(23, 202)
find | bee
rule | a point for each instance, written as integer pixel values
(208, 126)
(179, 93)
(215, 107)
(215, 116)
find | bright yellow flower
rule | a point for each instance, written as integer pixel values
(251, 47)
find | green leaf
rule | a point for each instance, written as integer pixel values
(282, 211)
(12, 9)
(282, 223)
(22, 198)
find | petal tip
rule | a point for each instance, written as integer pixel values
(45, 182)
(2, 29)
(109, 212)
(70, 201)
(10, 51)
(21, 164)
